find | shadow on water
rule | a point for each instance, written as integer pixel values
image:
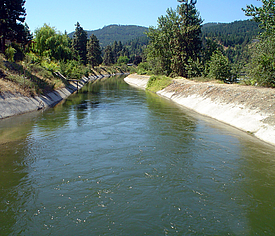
(18, 127)
(257, 182)
(14, 186)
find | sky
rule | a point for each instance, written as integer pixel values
(95, 14)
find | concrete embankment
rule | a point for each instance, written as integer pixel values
(250, 109)
(16, 104)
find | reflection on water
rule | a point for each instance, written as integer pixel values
(114, 160)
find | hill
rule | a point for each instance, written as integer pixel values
(124, 33)
(231, 34)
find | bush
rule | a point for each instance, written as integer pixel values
(143, 68)
(10, 51)
(261, 69)
(219, 67)
(122, 60)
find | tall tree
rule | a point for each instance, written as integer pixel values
(94, 51)
(176, 40)
(12, 17)
(108, 58)
(79, 43)
(186, 43)
(115, 50)
(159, 50)
(265, 15)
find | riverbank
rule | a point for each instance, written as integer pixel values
(12, 104)
(251, 109)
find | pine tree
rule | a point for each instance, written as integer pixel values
(12, 17)
(186, 41)
(176, 41)
(115, 50)
(94, 51)
(108, 58)
(79, 43)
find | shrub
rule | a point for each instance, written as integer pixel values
(122, 60)
(143, 68)
(10, 51)
(261, 69)
(219, 67)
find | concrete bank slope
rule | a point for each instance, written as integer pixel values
(250, 109)
(16, 104)
(139, 81)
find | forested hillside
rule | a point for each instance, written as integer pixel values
(233, 37)
(124, 33)
(231, 34)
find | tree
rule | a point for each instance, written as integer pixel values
(261, 68)
(159, 51)
(265, 15)
(49, 42)
(176, 40)
(79, 43)
(219, 67)
(94, 51)
(262, 65)
(186, 43)
(12, 17)
(123, 60)
(108, 58)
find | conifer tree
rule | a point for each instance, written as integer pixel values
(79, 43)
(176, 40)
(115, 50)
(186, 43)
(12, 17)
(94, 51)
(108, 58)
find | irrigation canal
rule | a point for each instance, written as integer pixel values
(116, 160)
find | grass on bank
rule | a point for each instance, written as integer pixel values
(157, 83)
(35, 75)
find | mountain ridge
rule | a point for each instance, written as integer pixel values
(108, 34)
(226, 33)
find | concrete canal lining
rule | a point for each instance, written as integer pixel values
(16, 104)
(251, 109)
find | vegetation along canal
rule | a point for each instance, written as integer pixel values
(115, 160)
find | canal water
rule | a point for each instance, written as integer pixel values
(116, 160)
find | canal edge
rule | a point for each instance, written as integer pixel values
(221, 102)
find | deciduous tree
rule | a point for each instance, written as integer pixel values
(265, 15)
(262, 65)
(219, 67)
(49, 42)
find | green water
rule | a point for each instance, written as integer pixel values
(115, 160)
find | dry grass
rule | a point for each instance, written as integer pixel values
(28, 80)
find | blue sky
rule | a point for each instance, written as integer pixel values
(95, 14)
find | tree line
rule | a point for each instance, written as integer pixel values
(53, 49)
(180, 47)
